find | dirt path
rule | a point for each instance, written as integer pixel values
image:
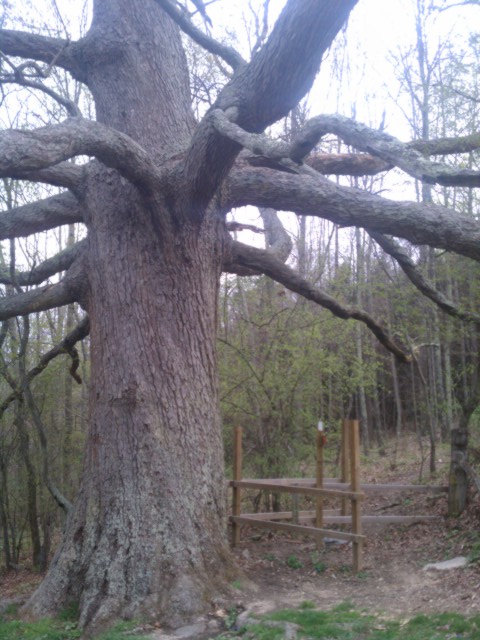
(288, 571)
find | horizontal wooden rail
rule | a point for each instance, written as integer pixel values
(296, 528)
(330, 483)
(309, 517)
(308, 491)
(294, 481)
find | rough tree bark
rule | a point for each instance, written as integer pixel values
(148, 531)
(146, 536)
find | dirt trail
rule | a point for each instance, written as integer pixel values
(393, 582)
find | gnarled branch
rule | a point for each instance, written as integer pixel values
(417, 278)
(383, 145)
(24, 151)
(265, 90)
(18, 77)
(258, 260)
(65, 346)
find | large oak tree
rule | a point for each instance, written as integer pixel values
(147, 533)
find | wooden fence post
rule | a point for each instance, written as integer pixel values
(345, 461)
(237, 475)
(354, 428)
(319, 478)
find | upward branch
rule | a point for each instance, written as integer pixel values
(265, 90)
(182, 18)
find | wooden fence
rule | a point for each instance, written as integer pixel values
(347, 489)
(320, 489)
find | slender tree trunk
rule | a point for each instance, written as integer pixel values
(360, 274)
(4, 519)
(31, 485)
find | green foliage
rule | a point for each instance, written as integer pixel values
(293, 562)
(318, 565)
(45, 629)
(474, 555)
(306, 604)
(345, 623)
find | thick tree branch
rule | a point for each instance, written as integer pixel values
(65, 174)
(265, 90)
(40, 216)
(257, 143)
(279, 242)
(60, 262)
(417, 278)
(445, 146)
(386, 147)
(244, 256)
(315, 195)
(182, 18)
(24, 151)
(64, 292)
(52, 51)
(282, 72)
(347, 164)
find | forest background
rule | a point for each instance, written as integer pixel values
(285, 363)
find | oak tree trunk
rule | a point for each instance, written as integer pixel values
(147, 533)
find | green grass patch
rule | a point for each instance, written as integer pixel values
(346, 623)
(59, 629)
(293, 562)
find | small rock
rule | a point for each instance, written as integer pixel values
(212, 625)
(242, 618)
(190, 631)
(454, 563)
